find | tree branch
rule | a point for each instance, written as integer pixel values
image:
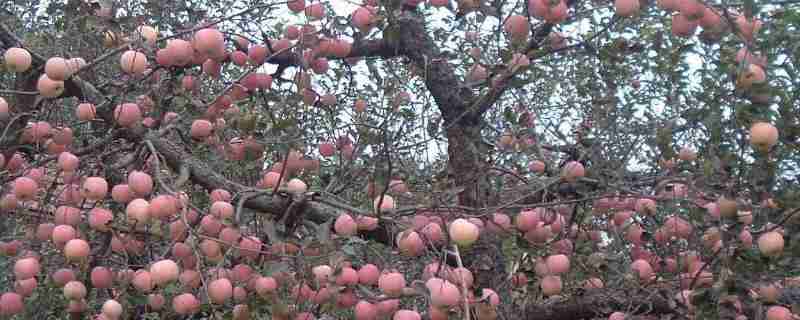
(451, 95)
(177, 158)
(27, 98)
(601, 303)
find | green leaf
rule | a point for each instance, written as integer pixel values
(349, 250)
(509, 115)
(272, 268)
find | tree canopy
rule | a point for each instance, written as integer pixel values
(399, 159)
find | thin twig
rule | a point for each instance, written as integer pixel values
(26, 93)
(14, 119)
(463, 283)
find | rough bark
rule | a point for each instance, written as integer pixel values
(455, 102)
(177, 157)
(467, 154)
(467, 163)
(452, 97)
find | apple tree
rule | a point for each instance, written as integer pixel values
(399, 159)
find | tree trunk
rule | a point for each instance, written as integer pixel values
(467, 163)
(467, 169)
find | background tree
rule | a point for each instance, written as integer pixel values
(541, 159)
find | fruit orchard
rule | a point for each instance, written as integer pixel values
(400, 159)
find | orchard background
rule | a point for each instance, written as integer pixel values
(404, 159)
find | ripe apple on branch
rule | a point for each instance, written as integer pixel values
(337, 160)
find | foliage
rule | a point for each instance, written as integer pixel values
(643, 135)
